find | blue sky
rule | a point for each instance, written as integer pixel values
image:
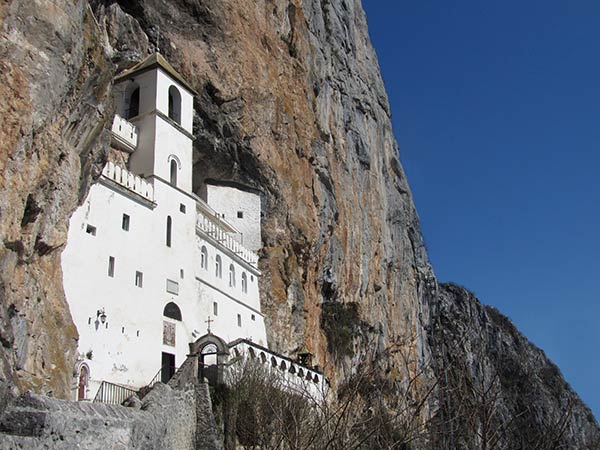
(496, 108)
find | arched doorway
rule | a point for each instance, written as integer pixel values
(208, 363)
(212, 353)
(167, 362)
(83, 379)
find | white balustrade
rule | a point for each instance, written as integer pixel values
(128, 180)
(125, 132)
(213, 227)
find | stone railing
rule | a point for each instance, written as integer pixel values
(215, 227)
(128, 180)
(125, 133)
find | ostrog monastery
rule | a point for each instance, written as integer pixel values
(150, 267)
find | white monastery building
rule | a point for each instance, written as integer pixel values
(149, 266)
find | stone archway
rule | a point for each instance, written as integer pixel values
(212, 353)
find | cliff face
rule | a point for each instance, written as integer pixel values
(54, 82)
(291, 103)
(497, 387)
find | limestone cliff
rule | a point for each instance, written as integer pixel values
(55, 80)
(291, 103)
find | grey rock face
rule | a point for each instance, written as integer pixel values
(291, 102)
(495, 384)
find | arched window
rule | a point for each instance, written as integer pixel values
(244, 282)
(218, 267)
(251, 353)
(175, 104)
(169, 226)
(204, 258)
(133, 109)
(282, 366)
(172, 311)
(174, 170)
(231, 276)
(292, 369)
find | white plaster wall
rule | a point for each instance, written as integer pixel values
(170, 141)
(119, 353)
(141, 161)
(164, 81)
(229, 201)
(147, 82)
(310, 382)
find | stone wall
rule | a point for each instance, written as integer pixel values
(165, 420)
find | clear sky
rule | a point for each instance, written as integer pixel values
(496, 108)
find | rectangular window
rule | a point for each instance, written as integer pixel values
(215, 309)
(239, 320)
(240, 214)
(125, 222)
(139, 279)
(182, 208)
(172, 287)
(253, 317)
(181, 273)
(111, 266)
(90, 229)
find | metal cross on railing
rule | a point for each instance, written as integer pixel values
(209, 321)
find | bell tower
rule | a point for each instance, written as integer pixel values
(159, 102)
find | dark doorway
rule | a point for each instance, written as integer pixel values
(83, 381)
(167, 367)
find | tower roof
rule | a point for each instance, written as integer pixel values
(151, 62)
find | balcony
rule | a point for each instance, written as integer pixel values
(124, 134)
(210, 224)
(128, 181)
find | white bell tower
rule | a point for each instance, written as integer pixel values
(156, 99)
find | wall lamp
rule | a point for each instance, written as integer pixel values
(101, 314)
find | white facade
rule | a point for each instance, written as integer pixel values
(241, 208)
(142, 240)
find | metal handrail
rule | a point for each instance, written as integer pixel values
(158, 375)
(113, 394)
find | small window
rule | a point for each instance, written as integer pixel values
(231, 276)
(169, 227)
(182, 208)
(253, 317)
(172, 287)
(244, 282)
(125, 222)
(111, 266)
(240, 214)
(239, 317)
(218, 269)
(139, 279)
(215, 309)
(90, 229)
(181, 273)
(173, 173)
(204, 258)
